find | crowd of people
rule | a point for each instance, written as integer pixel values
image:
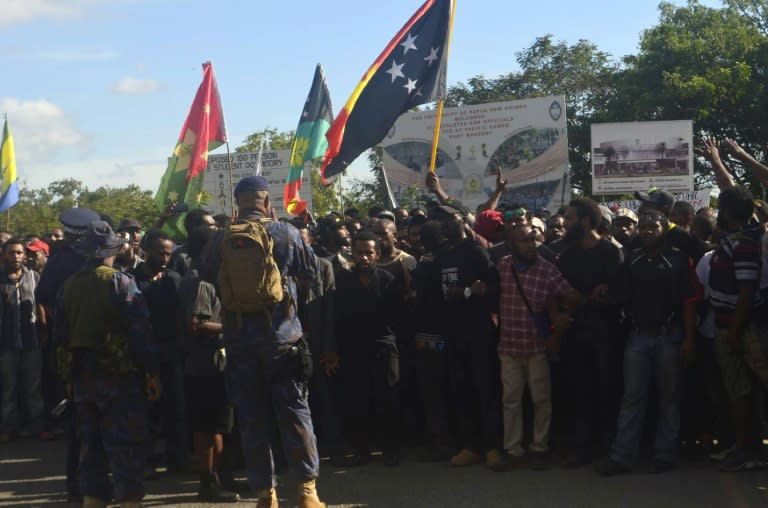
(505, 336)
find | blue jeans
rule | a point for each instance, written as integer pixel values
(647, 357)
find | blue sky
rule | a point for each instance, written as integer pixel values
(98, 89)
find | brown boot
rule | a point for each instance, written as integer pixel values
(465, 457)
(267, 499)
(308, 495)
(93, 502)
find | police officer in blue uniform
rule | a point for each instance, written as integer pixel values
(103, 321)
(264, 385)
(65, 260)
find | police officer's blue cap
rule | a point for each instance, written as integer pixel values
(251, 184)
(76, 221)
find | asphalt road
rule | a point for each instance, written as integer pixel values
(31, 474)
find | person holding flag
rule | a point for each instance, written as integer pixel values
(310, 141)
(410, 71)
(204, 130)
(9, 188)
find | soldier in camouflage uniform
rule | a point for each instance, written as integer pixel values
(102, 319)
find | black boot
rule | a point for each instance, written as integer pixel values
(211, 492)
(230, 483)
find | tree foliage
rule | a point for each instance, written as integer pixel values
(37, 211)
(704, 64)
(584, 74)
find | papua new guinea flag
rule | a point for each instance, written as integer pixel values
(410, 71)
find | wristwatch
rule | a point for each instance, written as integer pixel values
(467, 293)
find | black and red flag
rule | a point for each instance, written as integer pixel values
(409, 72)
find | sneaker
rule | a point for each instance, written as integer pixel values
(47, 436)
(539, 461)
(465, 458)
(735, 461)
(610, 467)
(216, 494)
(755, 464)
(719, 454)
(509, 463)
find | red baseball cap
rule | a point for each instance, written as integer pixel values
(38, 245)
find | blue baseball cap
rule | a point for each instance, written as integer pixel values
(251, 184)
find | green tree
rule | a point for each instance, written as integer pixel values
(704, 64)
(273, 140)
(583, 73)
(38, 210)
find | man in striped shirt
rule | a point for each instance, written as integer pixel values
(734, 278)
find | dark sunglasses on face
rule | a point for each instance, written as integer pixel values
(649, 217)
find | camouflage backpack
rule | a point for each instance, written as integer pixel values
(249, 278)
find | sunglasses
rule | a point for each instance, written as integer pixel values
(517, 213)
(650, 217)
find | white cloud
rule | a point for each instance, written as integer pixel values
(135, 86)
(40, 128)
(21, 11)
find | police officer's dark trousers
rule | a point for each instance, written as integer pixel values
(112, 411)
(267, 390)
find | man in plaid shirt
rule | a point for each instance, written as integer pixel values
(526, 338)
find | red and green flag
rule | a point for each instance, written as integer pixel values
(409, 72)
(203, 130)
(310, 142)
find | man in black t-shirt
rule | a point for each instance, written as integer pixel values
(160, 287)
(677, 237)
(367, 303)
(467, 274)
(592, 348)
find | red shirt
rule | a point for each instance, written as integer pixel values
(541, 282)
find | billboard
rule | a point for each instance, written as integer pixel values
(628, 157)
(527, 139)
(274, 167)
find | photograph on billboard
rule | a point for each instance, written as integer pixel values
(527, 139)
(636, 156)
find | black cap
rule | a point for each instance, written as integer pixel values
(128, 223)
(76, 221)
(656, 198)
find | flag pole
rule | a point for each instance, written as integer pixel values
(229, 175)
(439, 117)
(258, 162)
(341, 195)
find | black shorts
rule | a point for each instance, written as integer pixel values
(207, 405)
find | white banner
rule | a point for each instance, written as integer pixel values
(636, 156)
(527, 139)
(274, 167)
(697, 199)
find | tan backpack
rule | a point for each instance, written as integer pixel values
(249, 278)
